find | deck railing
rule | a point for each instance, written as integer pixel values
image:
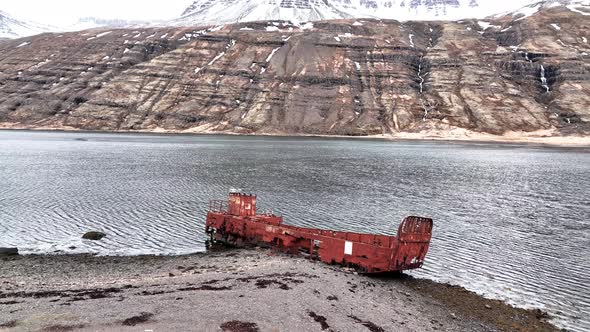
(217, 205)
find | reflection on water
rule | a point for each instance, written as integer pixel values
(511, 222)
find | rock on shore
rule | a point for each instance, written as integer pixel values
(8, 251)
(93, 235)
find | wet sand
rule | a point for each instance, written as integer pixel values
(235, 290)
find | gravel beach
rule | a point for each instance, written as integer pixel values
(235, 290)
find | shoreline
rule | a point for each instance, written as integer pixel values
(457, 135)
(228, 289)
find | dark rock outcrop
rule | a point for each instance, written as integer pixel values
(332, 77)
(8, 251)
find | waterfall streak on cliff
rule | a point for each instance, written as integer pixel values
(420, 76)
(544, 79)
(271, 54)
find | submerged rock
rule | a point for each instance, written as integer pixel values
(8, 251)
(92, 235)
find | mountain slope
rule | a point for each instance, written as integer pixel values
(345, 77)
(231, 11)
(86, 23)
(13, 28)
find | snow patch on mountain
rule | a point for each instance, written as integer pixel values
(580, 7)
(485, 25)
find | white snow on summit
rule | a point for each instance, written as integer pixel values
(231, 11)
(220, 12)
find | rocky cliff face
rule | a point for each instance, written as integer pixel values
(347, 77)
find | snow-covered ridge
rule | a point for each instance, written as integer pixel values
(13, 28)
(530, 9)
(580, 7)
(218, 12)
(95, 22)
(231, 11)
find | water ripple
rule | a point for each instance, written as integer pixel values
(511, 222)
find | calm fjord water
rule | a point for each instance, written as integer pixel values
(511, 222)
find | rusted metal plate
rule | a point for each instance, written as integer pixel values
(238, 224)
(242, 204)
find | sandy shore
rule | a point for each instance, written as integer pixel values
(234, 290)
(451, 134)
